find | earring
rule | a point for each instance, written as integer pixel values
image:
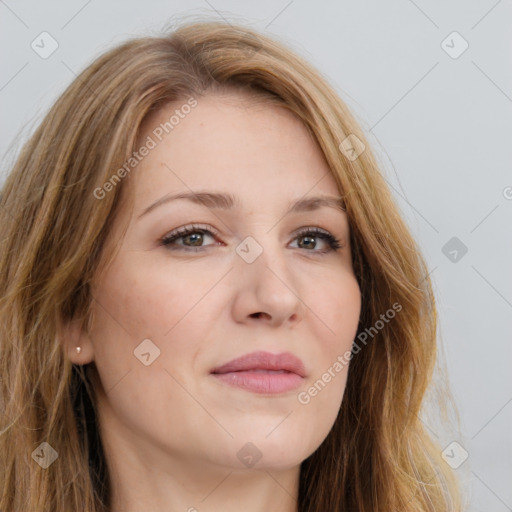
(78, 350)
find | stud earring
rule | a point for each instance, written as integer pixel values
(78, 350)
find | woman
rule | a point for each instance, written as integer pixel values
(210, 300)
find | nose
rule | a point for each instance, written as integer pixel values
(266, 289)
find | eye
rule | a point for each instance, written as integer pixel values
(310, 234)
(193, 237)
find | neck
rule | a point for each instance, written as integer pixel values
(202, 490)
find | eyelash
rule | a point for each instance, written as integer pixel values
(167, 240)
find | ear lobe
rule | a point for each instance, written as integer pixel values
(72, 336)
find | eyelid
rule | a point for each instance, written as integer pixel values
(190, 227)
(187, 229)
(307, 229)
(183, 230)
(329, 238)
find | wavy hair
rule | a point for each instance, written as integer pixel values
(378, 455)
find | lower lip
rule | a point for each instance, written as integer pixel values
(264, 382)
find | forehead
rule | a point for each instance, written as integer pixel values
(251, 149)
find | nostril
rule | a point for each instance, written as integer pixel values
(256, 315)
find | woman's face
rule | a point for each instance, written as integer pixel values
(248, 277)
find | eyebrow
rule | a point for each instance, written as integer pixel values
(225, 201)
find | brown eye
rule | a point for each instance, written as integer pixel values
(310, 242)
(309, 236)
(195, 239)
(191, 237)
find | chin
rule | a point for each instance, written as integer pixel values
(279, 451)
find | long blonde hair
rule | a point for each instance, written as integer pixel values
(378, 455)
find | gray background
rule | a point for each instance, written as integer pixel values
(440, 125)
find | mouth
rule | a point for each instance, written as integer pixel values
(263, 372)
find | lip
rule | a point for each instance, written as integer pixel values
(263, 372)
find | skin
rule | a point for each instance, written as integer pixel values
(171, 430)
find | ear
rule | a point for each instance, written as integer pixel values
(72, 335)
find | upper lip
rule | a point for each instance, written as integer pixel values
(264, 361)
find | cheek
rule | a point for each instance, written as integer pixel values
(151, 300)
(134, 303)
(173, 306)
(337, 307)
(138, 303)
